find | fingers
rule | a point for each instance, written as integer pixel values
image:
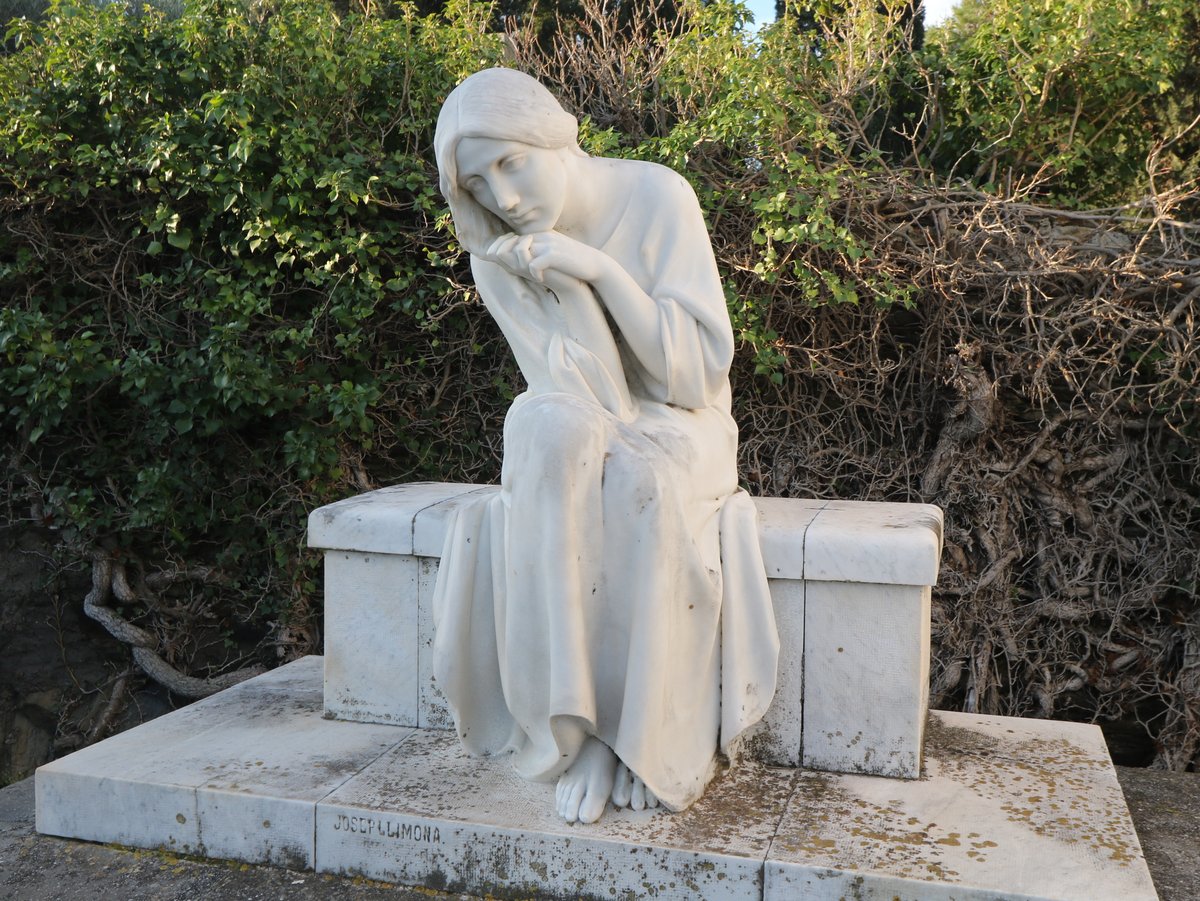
(513, 252)
(500, 246)
(526, 255)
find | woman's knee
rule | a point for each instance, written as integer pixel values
(557, 429)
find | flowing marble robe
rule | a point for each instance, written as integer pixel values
(616, 578)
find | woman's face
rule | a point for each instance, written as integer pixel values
(525, 186)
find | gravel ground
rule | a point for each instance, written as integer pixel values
(1165, 809)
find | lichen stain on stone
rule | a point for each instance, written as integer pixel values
(1045, 785)
(945, 741)
(736, 796)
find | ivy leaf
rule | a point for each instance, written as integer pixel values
(181, 239)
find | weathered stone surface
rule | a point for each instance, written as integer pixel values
(866, 677)
(854, 651)
(372, 653)
(44, 868)
(841, 541)
(434, 713)
(378, 522)
(236, 775)
(777, 738)
(887, 543)
(426, 813)
(1006, 809)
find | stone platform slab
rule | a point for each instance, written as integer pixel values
(1005, 809)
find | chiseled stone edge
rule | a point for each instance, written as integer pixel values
(381, 521)
(801, 538)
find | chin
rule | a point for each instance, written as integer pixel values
(531, 226)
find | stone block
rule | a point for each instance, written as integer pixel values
(1007, 810)
(886, 543)
(854, 574)
(782, 524)
(866, 677)
(777, 738)
(372, 640)
(381, 521)
(434, 712)
(237, 775)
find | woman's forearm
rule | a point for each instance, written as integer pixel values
(636, 315)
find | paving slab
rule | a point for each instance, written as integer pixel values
(426, 813)
(1005, 809)
(236, 775)
(1165, 807)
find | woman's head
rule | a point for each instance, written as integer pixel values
(496, 107)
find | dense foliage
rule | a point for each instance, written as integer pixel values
(221, 250)
(233, 295)
(1061, 92)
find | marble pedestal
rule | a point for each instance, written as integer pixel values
(850, 582)
(1004, 809)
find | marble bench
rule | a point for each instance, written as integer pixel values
(850, 583)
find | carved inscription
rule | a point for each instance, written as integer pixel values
(413, 832)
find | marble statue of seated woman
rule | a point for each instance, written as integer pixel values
(605, 617)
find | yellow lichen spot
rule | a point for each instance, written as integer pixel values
(819, 844)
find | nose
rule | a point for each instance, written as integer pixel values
(506, 198)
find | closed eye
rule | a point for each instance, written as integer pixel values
(512, 163)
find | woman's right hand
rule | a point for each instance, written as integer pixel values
(547, 257)
(514, 253)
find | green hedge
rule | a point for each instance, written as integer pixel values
(222, 249)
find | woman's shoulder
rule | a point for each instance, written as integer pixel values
(652, 179)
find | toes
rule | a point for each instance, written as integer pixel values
(622, 786)
(592, 806)
(594, 801)
(651, 799)
(637, 799)
(567, 796)
(575, 800)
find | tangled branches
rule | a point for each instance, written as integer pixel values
(109, 578)
(1043, 391)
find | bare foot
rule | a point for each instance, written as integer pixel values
(630, 791)
(583, 790)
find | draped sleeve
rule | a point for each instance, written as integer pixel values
(560, 343)
(680, 274)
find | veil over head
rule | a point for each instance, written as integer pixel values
(505, 105)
